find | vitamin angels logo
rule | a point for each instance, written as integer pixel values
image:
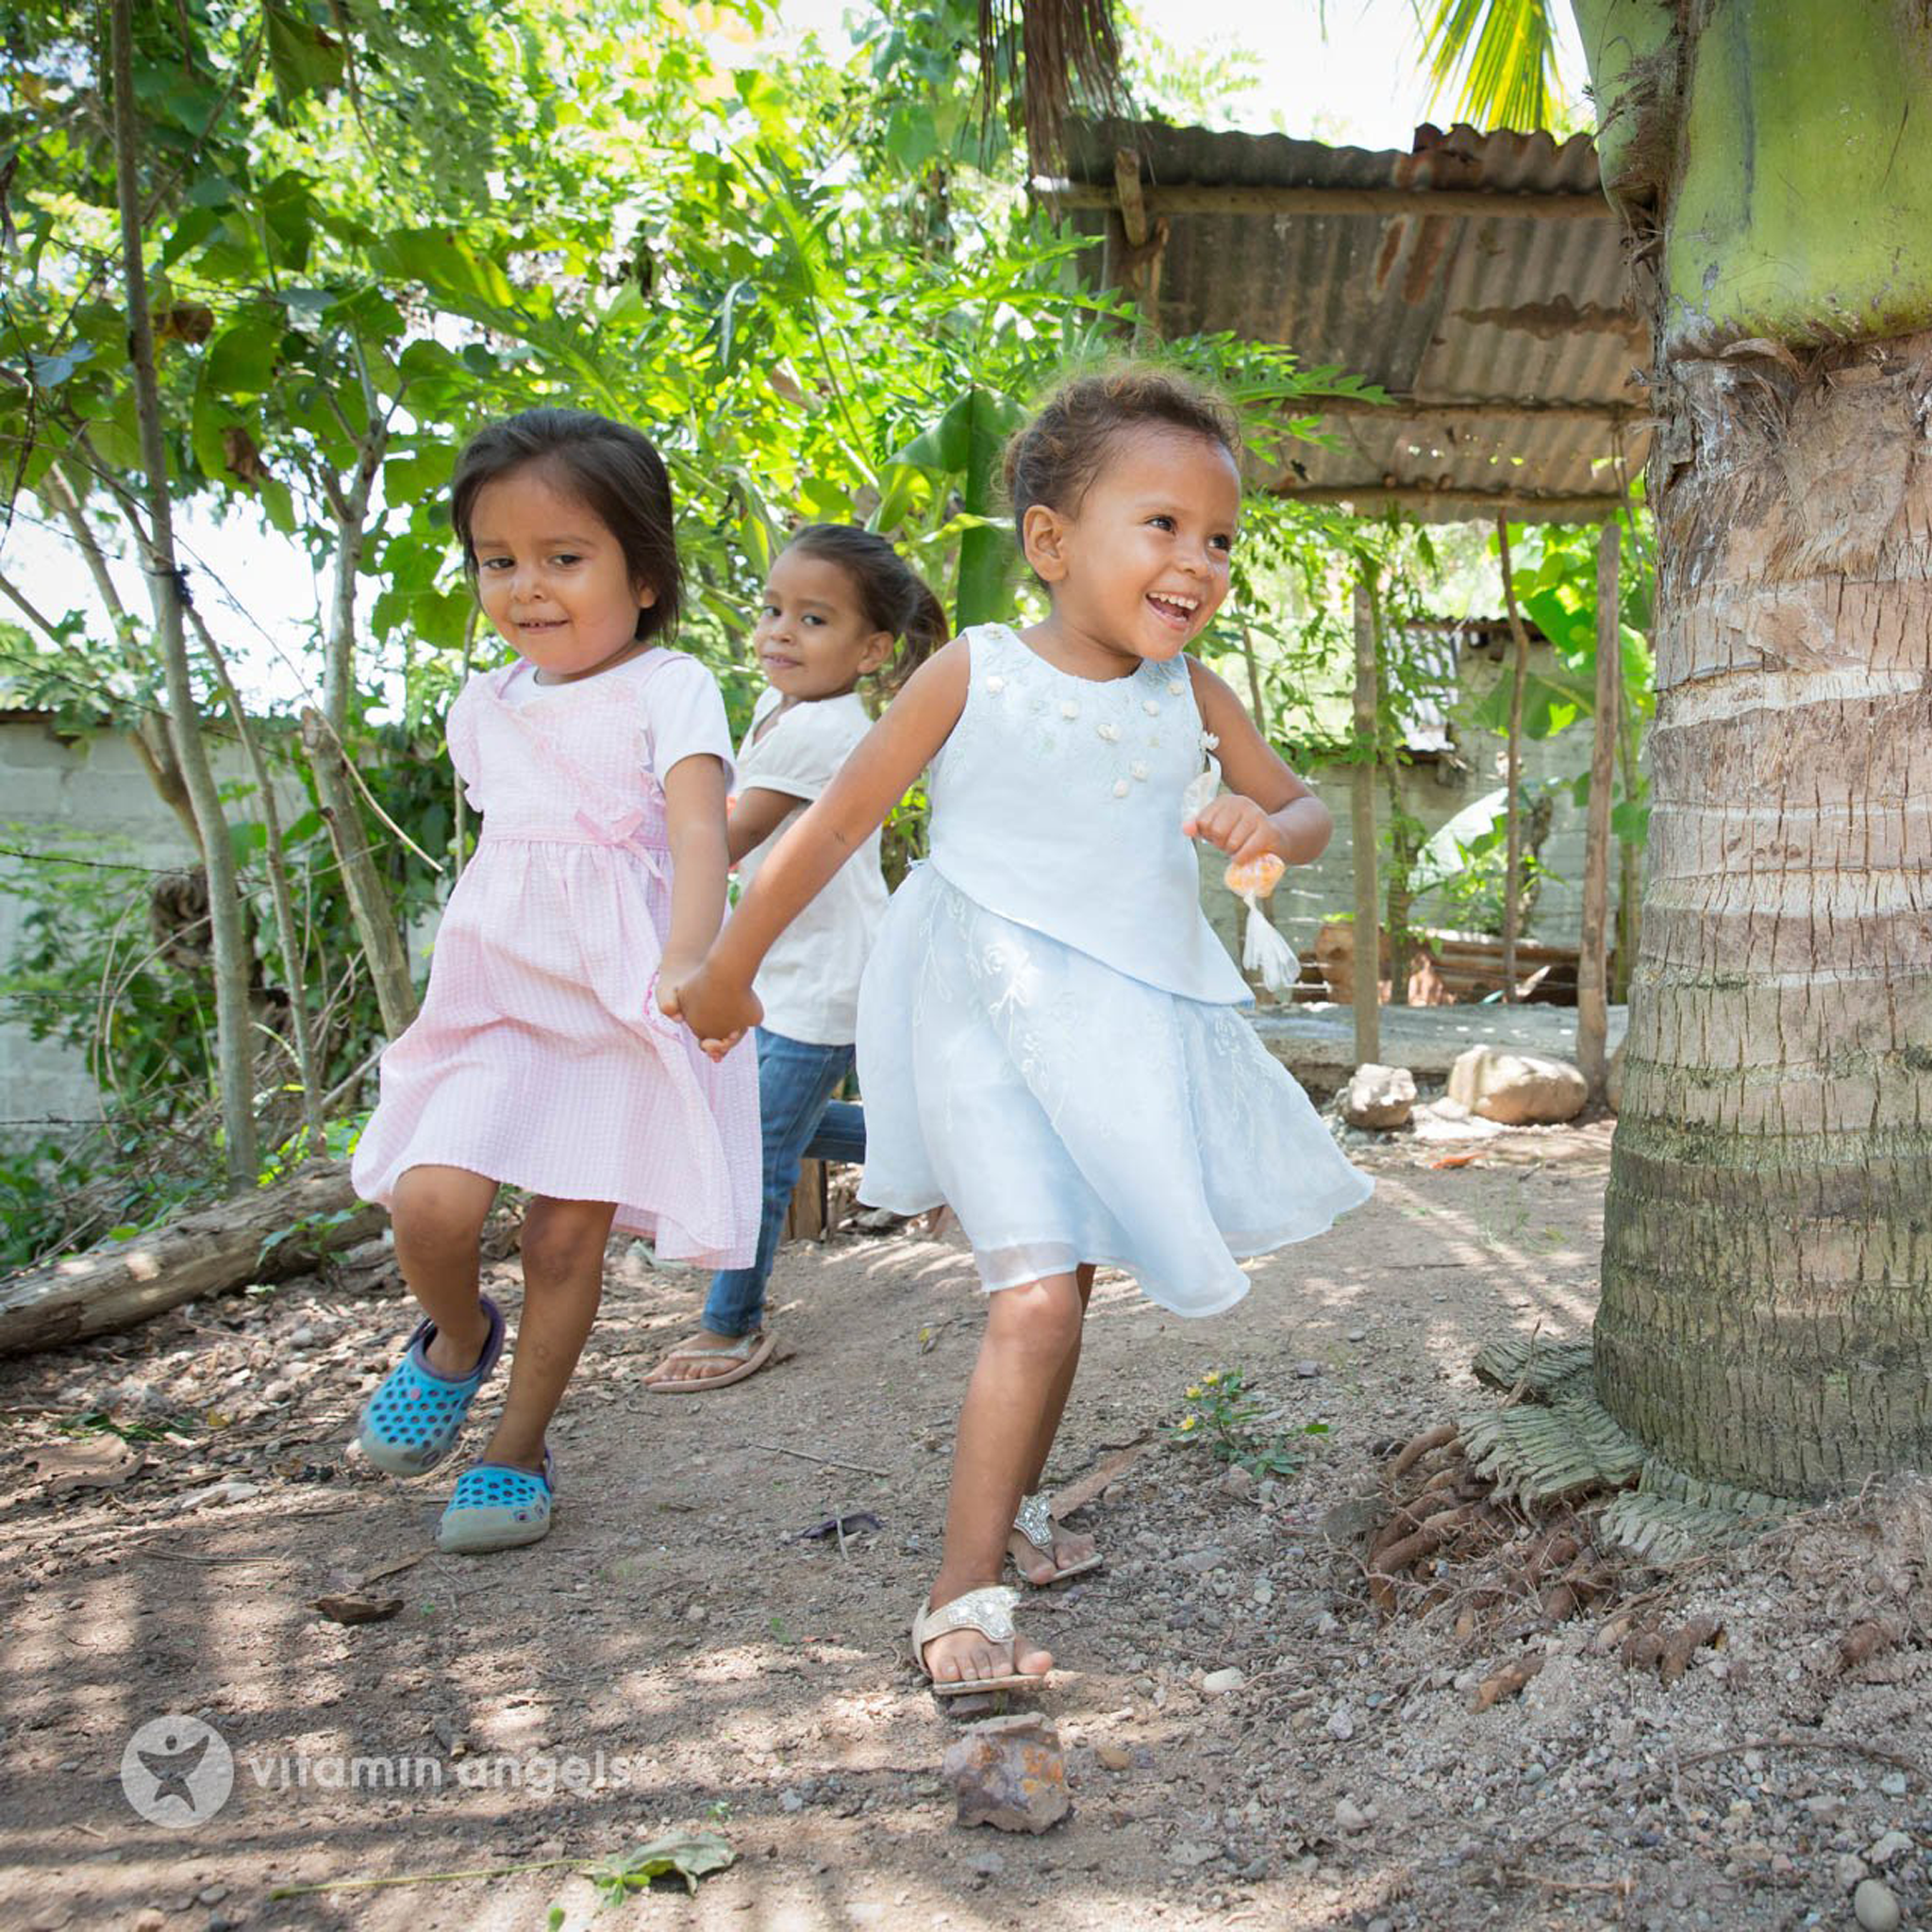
(178, 1771)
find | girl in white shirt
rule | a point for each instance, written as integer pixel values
(840, 603)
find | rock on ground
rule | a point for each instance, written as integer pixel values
(1009, 1772)
(1378, 1096)
(1517, 1089)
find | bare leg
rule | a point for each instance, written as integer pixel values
(1068, 1546)
(438, 1215)
(563, 1281)
(1032, 1333)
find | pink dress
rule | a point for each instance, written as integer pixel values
(540, 1058)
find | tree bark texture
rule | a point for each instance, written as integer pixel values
(1767, 1308)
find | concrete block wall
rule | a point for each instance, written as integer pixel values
(90, 798)
(1434, 791)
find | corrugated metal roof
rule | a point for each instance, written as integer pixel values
(1434, 307)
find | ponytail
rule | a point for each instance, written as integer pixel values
(893, 596)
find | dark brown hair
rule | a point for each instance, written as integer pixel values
(612, 470)
(892, 595)
(1054, 458)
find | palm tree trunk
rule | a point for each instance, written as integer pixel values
(1767, 1309)
(1766, 1317)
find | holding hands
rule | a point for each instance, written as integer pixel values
(718, 1011)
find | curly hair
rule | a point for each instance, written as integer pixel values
(1053, 459)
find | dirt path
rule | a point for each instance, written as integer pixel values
(739, 1677)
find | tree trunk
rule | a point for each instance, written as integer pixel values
(275, 854)
(1766, 1317)
(369, 906)
(234, 1058)
(1767, 1309)
(276, 1231)
(1592, 1011)
(1512, 782)
(1361, 820)
(325, 737)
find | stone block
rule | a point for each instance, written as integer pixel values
(1517, 1089)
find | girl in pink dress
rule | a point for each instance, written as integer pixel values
(544, 1056)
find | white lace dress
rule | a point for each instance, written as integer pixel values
(1049, 1033)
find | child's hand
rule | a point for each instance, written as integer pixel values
(720, 1015)
(1239, 826)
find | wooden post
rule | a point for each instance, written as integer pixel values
(1361, 817)
(1593, 968)
(1512, 868)
(810, 1216)
(1136, 264)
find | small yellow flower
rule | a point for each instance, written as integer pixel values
(1195, 1391)
(1189, 1422)
(1211, 1377)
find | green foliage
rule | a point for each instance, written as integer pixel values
(818, 284)
(689, 1855)
(1556, 583)
(1496, 59)
(1219, 1411)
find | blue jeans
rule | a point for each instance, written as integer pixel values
(801, 1120)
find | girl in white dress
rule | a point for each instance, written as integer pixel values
(1049, 1038)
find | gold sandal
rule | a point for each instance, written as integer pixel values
(988, 1610)
(1035, 1522)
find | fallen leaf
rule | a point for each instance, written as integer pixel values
(1505, 1682)
(1457, 1160)
(352, 1608)
(690, 1858)
(1085, 1489)
(98, 1463)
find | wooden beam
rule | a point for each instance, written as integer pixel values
(1190, 198)
(1448, 504)
(1592, 967)
(1361, 822)
(1512, 408)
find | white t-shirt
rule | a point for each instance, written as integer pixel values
(809, 984)
(683, 707)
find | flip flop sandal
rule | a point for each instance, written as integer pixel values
(988, 1610)
(749, 1352)
(412, 1421)
(496, 1506)
(1035, 1522)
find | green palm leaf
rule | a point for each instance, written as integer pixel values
(1494, 60)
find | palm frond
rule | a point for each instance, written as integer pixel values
(1046, 58)
(1494, 60)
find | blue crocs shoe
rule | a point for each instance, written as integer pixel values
(497, 1507)
(412, 1421)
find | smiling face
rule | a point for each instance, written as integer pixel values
(813, 637)
(1140, 567)
(551, 576)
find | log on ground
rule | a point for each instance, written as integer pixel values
(279, 1231)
